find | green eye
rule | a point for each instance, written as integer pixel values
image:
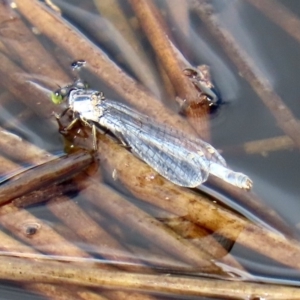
(56, 98)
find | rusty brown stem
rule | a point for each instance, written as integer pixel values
(249, 71)
(98, 63)
(55, 171)
(61, 273)
(173, 62)
(153, 25)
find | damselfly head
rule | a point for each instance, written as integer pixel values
(61, 94)
(57, 97)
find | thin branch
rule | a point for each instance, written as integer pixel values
(150, 255)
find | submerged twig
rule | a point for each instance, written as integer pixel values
(87, 229)
(284, 116)
(151, 256)
(149, 227)
(36, 232)
(263, 147)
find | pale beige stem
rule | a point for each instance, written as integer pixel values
(61, 273)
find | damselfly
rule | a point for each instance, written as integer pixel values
(185, 161)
